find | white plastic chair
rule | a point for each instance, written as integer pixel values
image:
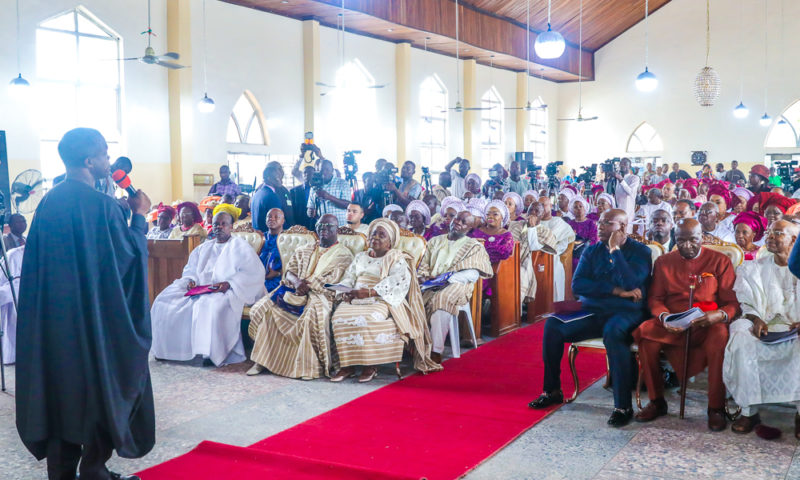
(455, 335)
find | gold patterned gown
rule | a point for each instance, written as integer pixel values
(298, 346)
(363, 330)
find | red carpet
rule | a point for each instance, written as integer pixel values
(436, 426)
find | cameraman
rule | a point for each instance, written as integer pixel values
(627, 190)
(495, 182)
(299, 169)
(409, 189)
(458, 177)
(333, 193)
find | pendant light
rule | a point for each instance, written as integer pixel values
(549, 44)
(766, 120)
(741, 111)
(206, 104)
(646, 81)
(18, 86)
(707, 82)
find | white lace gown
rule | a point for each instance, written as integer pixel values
(756, 373)
(208, 325)
(363, 330)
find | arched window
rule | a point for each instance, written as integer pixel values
(432, 131)
(354, 112)
(785, 133)
(247, 139)
(645, 139)
(77, 84)
(537, 131)
(491, 130)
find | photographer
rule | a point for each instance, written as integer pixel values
(458, 177)
(495, 182)
(316, 154)
(627, 189)
(331, 193)
(409, 189)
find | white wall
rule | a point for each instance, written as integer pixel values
(145, 114)
(677, 53)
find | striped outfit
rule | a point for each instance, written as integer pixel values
(298, 347)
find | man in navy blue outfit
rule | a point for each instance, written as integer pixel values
(610, 283)
(794, 260)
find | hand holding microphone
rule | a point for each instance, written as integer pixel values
(137, 199)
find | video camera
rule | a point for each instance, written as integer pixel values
(789, 177)
(350, 165)
(426, 179)
(552, 168)
(387, 175)
(611, 166)
(589, 175)
(316, 181)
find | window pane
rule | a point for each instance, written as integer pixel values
(247, 169)
(63, 22)
(232, 136)
(97, 108)
(782, 136)
(56, 109)
(98, 61)
(56, 56)
(243, 111)
(87, 26)
(255, 135)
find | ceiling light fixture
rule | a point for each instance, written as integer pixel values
(18, 86)
(206, 104)
(549, 44)
(766, 120)
(646, 81)
(707, 82)
(740, 111)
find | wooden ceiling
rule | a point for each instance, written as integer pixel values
(490, 30)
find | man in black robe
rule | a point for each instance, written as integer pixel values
(83, 383)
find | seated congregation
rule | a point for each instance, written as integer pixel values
(370, 284)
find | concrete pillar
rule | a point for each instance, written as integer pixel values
(472, 119)
(311, 73)
(402, 69)
(181, 99)
(522, 116)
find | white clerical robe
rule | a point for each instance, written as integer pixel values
(756, 373)
(210, 324)
(564, 236)
(8, 314)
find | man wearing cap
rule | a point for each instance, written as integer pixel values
(759, 179)
(209, 323)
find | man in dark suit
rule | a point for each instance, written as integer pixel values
(299, 197)
(271, 194)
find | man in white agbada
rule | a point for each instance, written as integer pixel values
(8, 314)
(532, 236)
(209, 324)
(756, 373)
(564, 236)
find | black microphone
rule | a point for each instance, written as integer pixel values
(121, 178)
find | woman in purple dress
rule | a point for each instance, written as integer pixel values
(585, 228)
(498, 242)
(419, 217)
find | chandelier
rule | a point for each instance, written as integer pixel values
(707, 82)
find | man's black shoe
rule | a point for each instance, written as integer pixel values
(620, 417)
(547, 399)
(117, 476)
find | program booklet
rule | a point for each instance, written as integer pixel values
(683, 320)
(570, 316)
(338, 288)
(774, 338)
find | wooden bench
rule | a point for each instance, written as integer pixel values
(506, 304)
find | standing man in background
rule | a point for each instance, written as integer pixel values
(627, 190)
(299, 198)
(83, 382)
(334, 195)
(734, 175)
(515, 182)
(458, 177)
(271, 194)
(225, 184)
(15, 237)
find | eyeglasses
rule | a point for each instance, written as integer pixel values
(775, 233)
(607, 223)
(326, 226)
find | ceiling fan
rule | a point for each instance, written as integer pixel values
(340, 40)
(458, 108)
(150, 57)
(580, 117)
(528, 105)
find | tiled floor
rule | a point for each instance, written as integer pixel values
(195, 403)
